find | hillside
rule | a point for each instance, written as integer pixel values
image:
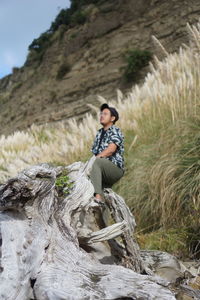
(91, 55)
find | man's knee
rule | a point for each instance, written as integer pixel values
(97, 162)
(96, 166)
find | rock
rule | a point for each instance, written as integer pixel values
(163, 264)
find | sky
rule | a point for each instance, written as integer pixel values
(21, 21)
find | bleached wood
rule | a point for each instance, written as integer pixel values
(55, 247)
(107, 233)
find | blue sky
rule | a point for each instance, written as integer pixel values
(20, 22)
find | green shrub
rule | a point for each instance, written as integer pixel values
(38, 47)
(63, 18)
(63, 184)
(79, 17)
(41, 43)
(63, 69)
(72, 15)
(15, 69)
(77, 4)
(136, 60)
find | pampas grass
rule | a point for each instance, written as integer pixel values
(61, 144)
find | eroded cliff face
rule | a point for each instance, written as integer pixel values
(94, 53)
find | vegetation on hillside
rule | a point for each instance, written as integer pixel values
(73, 15)
(161, 124)
(63, 70)
(136, 60)
(66, 17)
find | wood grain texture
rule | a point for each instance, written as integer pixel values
(55, 247)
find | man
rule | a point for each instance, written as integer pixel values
(108, 147)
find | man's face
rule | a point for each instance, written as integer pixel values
(105, 117)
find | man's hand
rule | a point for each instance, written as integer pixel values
(108, 151)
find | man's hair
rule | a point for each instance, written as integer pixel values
(112, 110)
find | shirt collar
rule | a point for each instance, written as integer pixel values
(110, 128)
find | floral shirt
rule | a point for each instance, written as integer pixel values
(112, 135)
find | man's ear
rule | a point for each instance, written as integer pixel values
(113, 119)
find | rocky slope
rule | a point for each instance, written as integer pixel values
(93, 54)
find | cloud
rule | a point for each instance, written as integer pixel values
(20, 22)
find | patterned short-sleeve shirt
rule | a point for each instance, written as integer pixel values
(112, 135)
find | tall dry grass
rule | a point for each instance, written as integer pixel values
(163, 173)
(161, 123)
(59, 144)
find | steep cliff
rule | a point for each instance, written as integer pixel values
(91, 57)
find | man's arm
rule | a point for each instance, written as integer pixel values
(92, 149)
(108, 151)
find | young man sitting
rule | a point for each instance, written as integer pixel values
(108, 147)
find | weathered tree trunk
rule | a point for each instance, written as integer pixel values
(61, 247)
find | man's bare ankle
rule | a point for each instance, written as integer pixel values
(98, 197)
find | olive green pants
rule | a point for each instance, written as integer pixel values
(104, 173)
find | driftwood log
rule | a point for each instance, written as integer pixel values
(60, 246)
